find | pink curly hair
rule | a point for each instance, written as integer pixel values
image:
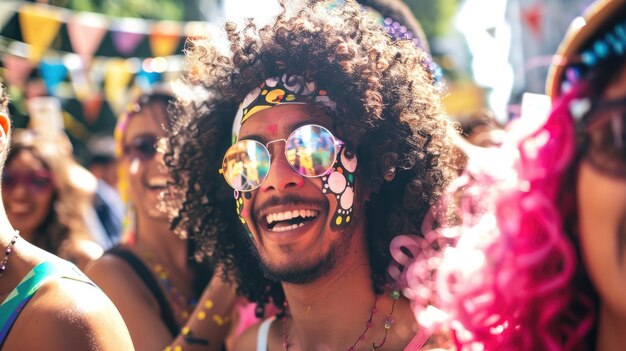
(506, 272)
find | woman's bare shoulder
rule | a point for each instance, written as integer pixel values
(69, 314)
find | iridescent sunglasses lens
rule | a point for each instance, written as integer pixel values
(246, 165)
(311, 150)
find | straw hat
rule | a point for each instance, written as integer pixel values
(598, 18)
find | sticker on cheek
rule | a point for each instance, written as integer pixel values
(239, 204)
(339, 183)
(134, 166)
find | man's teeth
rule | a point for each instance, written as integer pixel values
(289, 227)
(287, 215)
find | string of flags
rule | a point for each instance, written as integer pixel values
(79, 54)
(90, 34)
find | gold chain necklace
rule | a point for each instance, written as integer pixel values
(395, 295)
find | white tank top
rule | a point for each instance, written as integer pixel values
(264, 330)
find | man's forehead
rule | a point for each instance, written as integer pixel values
(282, 120)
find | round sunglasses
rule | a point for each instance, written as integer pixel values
(605, 137)
(310, 150)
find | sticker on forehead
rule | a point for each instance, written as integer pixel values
(339, 183)
(272, 129)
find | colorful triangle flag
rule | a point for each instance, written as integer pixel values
(53, 73)
(17, 69)
(79, 76)
(7, 11)
(40, 25)
(164, 38)
(116, 79)
(127, 34)
(86, 31)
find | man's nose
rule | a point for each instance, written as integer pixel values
(281, 176)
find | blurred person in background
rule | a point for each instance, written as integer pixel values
(47, 196)
(540, 261)
(45, 303)
(107, 203)
(155, 278)
(482, 129)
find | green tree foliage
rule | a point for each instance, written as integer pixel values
(435, 16)
(175, 10)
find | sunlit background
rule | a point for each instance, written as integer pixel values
(95, 55)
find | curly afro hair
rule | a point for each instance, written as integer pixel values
(388, 110)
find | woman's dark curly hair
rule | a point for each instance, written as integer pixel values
(388, 111)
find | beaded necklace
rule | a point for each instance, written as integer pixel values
(184, 303)
(7, 253)
(395, 295)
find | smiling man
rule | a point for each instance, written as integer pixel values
(338, 145)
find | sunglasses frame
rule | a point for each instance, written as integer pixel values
(597, 117)
(131, 147)
(28, 183)
(337, 144)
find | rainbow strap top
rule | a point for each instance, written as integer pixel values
(24, 291)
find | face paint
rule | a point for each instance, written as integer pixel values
(134, 165)
(272, 129)
(340, 184)
(239, 203)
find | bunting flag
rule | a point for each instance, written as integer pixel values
(39, 25)
(53, 73)
(6, 12)
(533, 18)
(79, 76)
(116, 80)
(91, 108)
(164, 38)
(127, 34)
(17, 69)
(86, 32)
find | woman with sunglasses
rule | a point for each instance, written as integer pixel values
(155, 278)
(540, 261)
(45, 200)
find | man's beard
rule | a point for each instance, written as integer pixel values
(309, 270)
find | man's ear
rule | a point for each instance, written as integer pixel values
(5, 128)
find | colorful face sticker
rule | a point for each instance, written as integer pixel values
(272, 129)
(340, 184)
(239, 203)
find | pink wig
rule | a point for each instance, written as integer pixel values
(504, 273)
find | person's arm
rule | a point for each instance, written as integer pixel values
(134, 301)
(69, 315)
(205, 330)
(210, 322)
